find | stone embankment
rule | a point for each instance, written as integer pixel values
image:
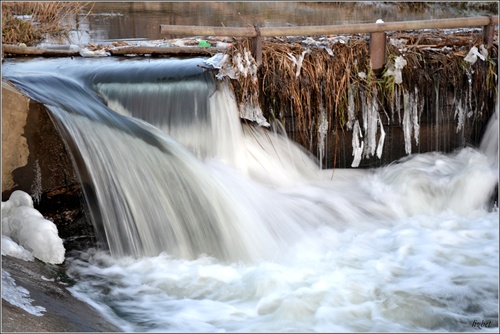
(35, 160)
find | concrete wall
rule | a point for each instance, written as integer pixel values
(15, 150)
(35, 160)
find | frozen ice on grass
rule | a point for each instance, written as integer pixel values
(474, 54)
(86, 52)
(396, 69)
(25, 226)
(357, 144)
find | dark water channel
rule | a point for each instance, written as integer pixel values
(111, 21)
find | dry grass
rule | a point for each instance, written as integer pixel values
(435, 66)
(41, 19)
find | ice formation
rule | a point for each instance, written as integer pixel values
(297, 61)
(395, 69)
(18, 296)
(235, 67)
(357, 144)
(371, 121)
(322, 132)
(411, 119)
(473, 55)
(27, 227)
(399, 64)
(86, 52)
(10, 248)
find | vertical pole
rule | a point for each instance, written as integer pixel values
(488, 34)
(256, 47)
(377, 51)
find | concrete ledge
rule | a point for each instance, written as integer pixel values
(15, 152)
(34, 157)
(35, 160)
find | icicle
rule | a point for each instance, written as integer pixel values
(364, 111)
(411, 119)
(407, 123)
(371, 117)
(399, 63)
(460, 115)
(469, 91)
(380, 146)
(322, 132)
(350, 108)
(415, 121)
(398, 102)
(357, 145)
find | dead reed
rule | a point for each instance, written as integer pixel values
(335, 79)
(31, 22)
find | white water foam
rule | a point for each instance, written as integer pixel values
(412, 246)
(407, 247)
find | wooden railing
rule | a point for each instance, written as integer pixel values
(377, 31)
(328, 29)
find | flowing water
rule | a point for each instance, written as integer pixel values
(214, 225)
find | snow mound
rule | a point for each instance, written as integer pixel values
(27, 227)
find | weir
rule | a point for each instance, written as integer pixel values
(140, 135)
(145, 192)
(224, 225)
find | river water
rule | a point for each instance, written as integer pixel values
(209, 225)
(111, 21)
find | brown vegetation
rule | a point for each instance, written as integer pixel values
(31, 22)
(435, 68)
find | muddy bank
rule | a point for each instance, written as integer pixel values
(48, 288)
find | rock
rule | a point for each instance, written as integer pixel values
(47, 288)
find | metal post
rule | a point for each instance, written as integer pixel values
(489, 33)
(256, 47)
(377, 52)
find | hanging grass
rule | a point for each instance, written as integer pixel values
(30, 22)
(335, 83)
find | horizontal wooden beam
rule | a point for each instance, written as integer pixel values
(183, 30)
(187, 50)
(32, 51)
(9, 49)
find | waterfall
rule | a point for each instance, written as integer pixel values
(149, 193)
(213, 224)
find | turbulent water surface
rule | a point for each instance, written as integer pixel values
(211, 225)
